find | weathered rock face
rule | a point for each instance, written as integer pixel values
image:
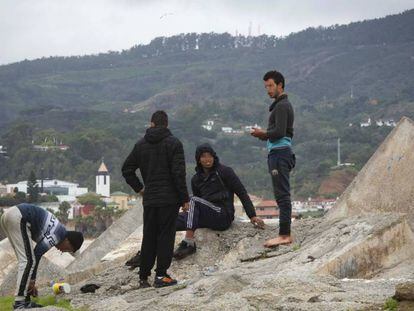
(7, 259)
(231, 270)
(390, 244)
(404, 291)
(385, 184)
(108, 241)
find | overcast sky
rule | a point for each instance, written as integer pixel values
(31, 29)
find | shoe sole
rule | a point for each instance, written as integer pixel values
(164, 285)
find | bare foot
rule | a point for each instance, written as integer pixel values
(280, 240)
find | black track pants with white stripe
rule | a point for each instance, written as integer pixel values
(19, 236)
(203, 214)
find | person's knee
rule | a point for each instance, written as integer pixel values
(223, 226)
(282, 198)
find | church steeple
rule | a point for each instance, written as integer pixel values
(103, 183)
(103, 169)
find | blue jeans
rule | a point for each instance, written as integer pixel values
(280, 163)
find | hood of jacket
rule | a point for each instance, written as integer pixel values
(154, 135)
(202, 149)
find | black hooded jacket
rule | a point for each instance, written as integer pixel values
(160, 158)
(220, 185)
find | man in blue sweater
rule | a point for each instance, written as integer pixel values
(24, 223)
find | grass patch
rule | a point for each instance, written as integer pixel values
(6, 303)
(296, 247)
(391, 304)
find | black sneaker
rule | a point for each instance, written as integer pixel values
(143, 283)
(184, 250)
(135, 261)
(19, 305)
(32, 305)
(163, 281)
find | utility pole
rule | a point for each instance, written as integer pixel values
(339, 152)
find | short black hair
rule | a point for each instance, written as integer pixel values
(75, 239)
(160, 118)
(275, 76)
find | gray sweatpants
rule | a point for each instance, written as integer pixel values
(18, 232)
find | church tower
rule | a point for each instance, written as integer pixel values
(103, 184)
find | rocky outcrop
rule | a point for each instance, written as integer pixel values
(385, 183)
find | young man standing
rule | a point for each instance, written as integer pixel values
(24, 223)
(160, 158)
(211, 205)
(281, 159)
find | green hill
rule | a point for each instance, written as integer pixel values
(100, 104)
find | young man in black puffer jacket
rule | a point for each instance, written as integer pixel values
(212, 203)
(160, 158)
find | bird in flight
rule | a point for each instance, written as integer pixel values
(165, 15)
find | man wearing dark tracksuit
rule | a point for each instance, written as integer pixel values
(24, 223)
(212, 203)
(160, 158)
(281, 159)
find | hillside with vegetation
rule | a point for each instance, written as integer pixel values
(99, 105)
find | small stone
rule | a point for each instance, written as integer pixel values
(314, 299)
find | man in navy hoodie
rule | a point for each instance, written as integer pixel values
(212, 203)
(24, 223)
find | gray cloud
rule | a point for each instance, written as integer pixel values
(31, 29)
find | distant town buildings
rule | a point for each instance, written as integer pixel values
(50, 144)
(120, 199)
(63, 190)
(3, 151)
(71, 192)
(379, 123)
(268, 209)
(208, 125)
(228, 130)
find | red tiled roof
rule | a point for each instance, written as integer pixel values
(267, 203)
(267, 212)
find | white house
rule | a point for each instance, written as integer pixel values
(366, 124)
(207, 127)
(227, 129)
(64, 190)
(390, 123)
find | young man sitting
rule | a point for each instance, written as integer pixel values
(212, 204)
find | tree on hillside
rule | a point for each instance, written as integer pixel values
(90, 198)
(63, 213)
(32, 188)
